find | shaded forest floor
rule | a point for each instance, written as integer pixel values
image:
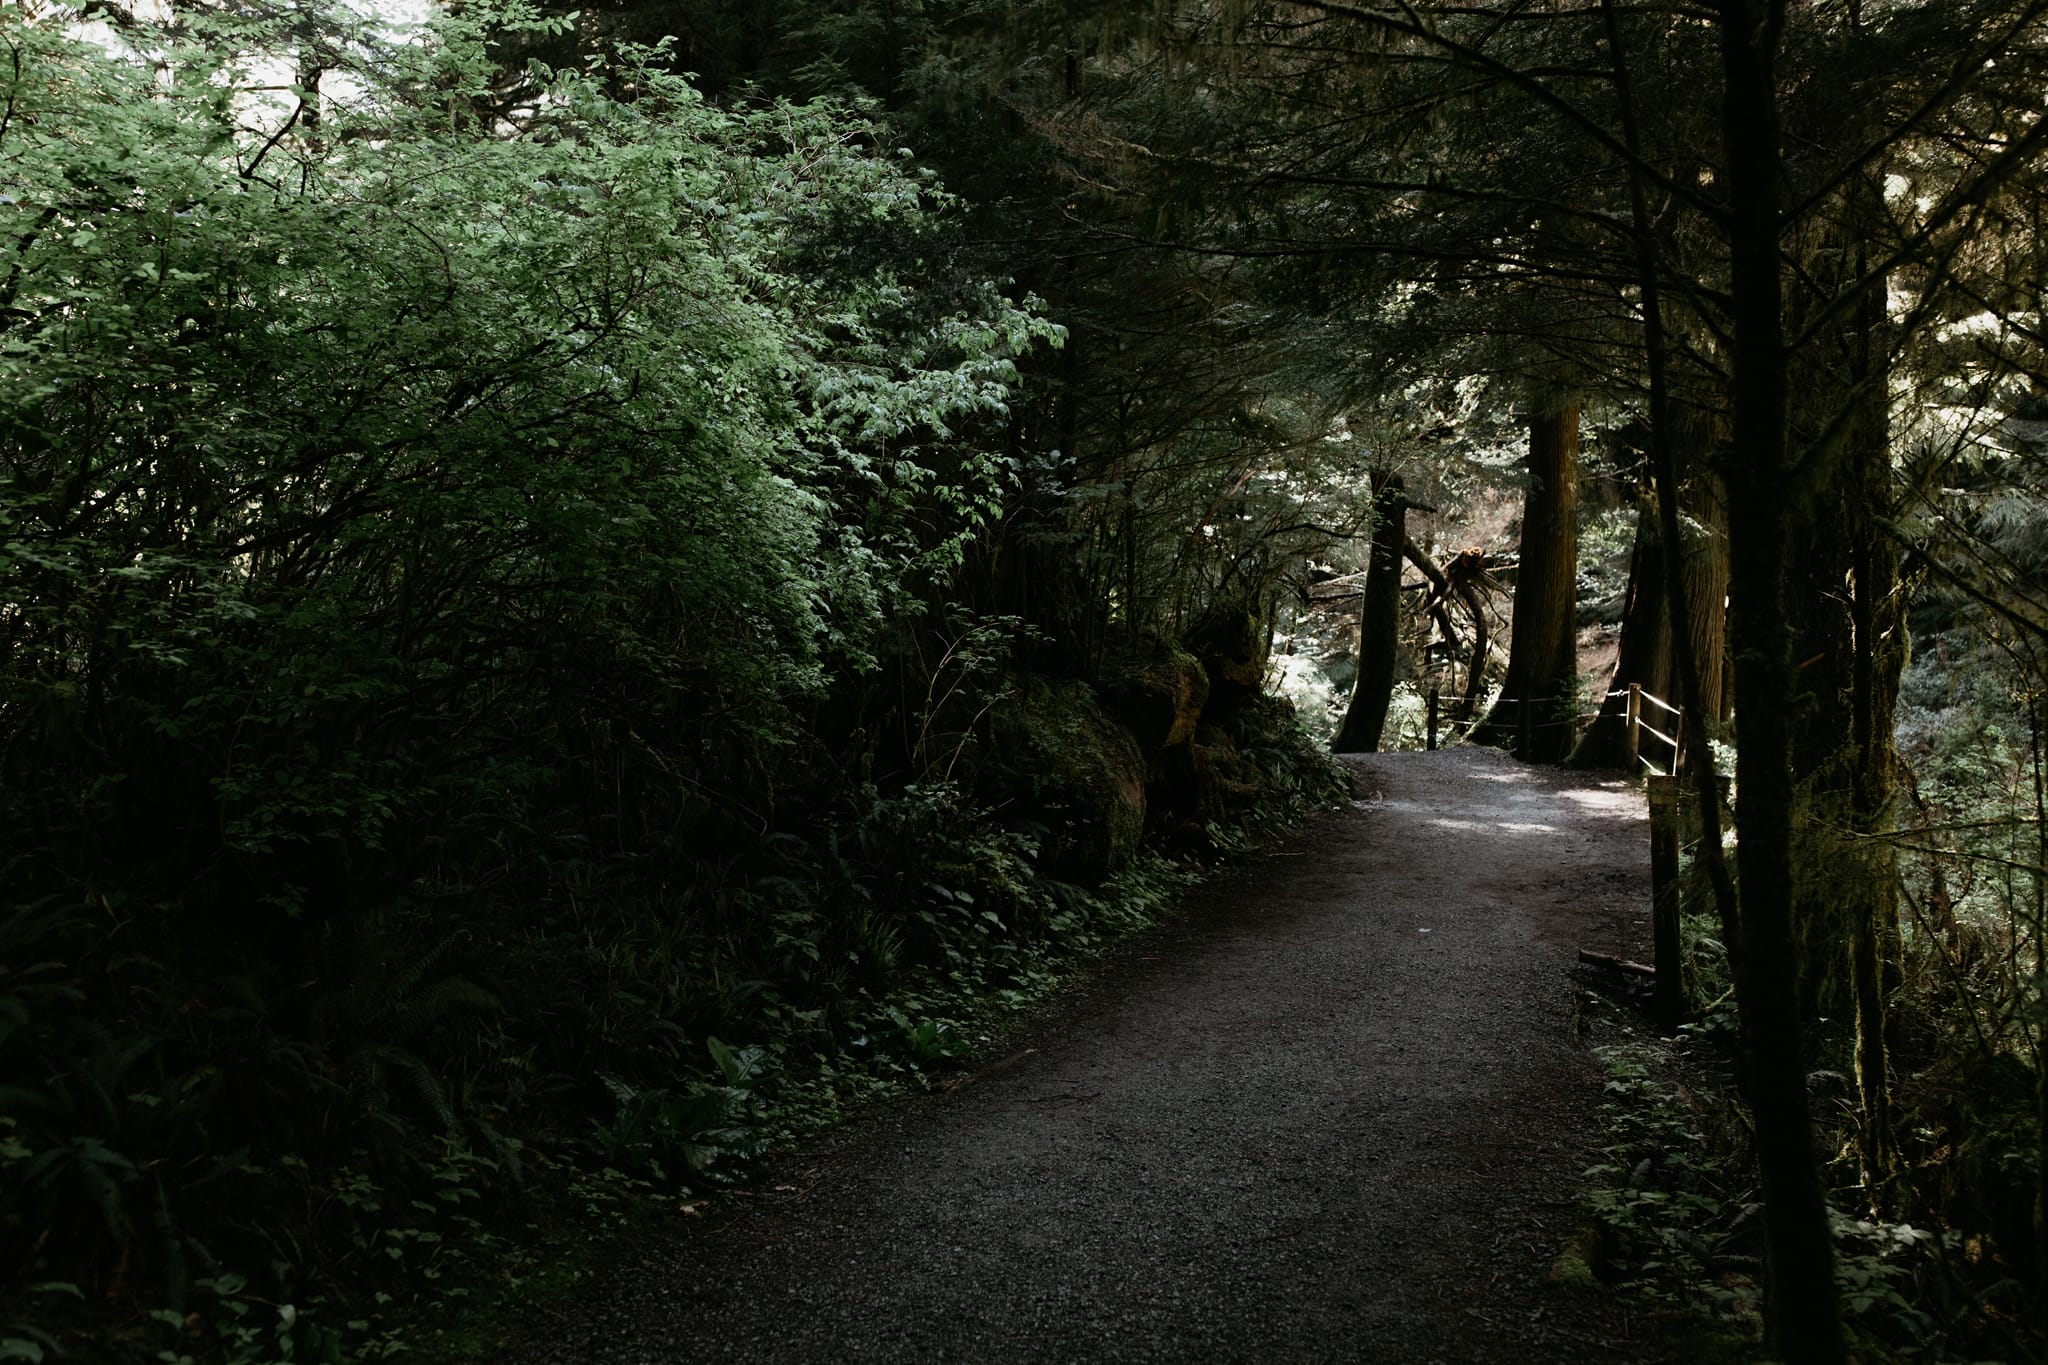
(1336, 1110)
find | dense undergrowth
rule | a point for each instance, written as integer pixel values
(1933, 1176)
(1933, 1264)
(509, 705)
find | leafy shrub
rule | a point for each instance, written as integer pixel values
(412, 518)
(477, 595)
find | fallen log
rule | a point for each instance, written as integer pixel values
(1616, 964)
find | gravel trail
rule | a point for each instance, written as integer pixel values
(1335, 1112)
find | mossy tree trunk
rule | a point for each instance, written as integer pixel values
(1803, 1311)
(1543, 660)
(2040, 926)
(1846, 608)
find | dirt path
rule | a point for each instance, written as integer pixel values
(1334, 1113)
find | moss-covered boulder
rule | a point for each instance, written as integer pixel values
(1059, 759)
(1155, 688)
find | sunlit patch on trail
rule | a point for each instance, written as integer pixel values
(1511, 826)
(1615, 798)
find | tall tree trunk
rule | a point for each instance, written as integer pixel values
(1802, 1310)
(1649, 639)
(1877, 606)
(1644, 657)
(1704, 554)
(1379, 626)
(2040, 964)
(1543, 659)
(1847, 611)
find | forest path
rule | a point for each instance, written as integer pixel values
(1333, 1113)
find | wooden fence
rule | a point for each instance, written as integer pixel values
(1675, 824)
(1524, 711)
(1673, 743)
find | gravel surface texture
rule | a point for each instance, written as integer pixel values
(1334, 1112)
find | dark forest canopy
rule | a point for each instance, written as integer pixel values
(577, 585)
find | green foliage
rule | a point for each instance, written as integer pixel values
(1680, 1220)
(412, 420)
(708, 1130)
(502, 587)
(1678, 1214)
(410, 512)
(1671, 1204)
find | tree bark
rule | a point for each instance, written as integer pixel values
(1802, 1311)
(1703, 550)
(1645, 654)
(1846, 609)
(1649, 639)
(1379, 625)
(1878, 620)
(2034, 734)
(1543, 638)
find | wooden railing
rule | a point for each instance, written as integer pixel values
(1674, 820)
(1674, 743)
(1434, 721)
(1524, 710)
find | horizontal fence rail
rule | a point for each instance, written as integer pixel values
(1674, 743)
(1526, 722)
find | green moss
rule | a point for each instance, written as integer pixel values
(1156, 689)
(1071, 768)
(1573, 1268)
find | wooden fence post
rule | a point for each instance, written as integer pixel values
(1691, 820)
(1633, 741)
(1432, 715)
(1522, 745)
(1667, 1005)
